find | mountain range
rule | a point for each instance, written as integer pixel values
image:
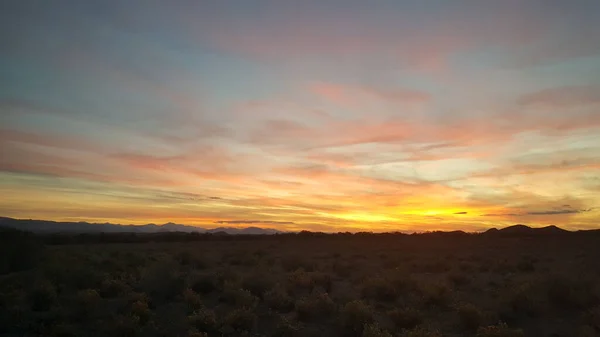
(46, 226)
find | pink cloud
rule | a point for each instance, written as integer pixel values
(563, 97)
(347, 95)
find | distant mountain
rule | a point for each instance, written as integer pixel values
(522, 230)
(45, 226)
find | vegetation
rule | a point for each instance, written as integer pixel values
(309, 284)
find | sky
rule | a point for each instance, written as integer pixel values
(302, 115)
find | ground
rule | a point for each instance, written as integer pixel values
(334, 285)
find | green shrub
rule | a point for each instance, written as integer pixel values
(499, 330)
(406, 318)
(354, 316)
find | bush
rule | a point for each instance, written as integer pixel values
(192, 300)
(111, 288)
(571, 294)
(436, 294)
(354, 316)
(204, 283)
(379, 289)
(279, 300)
(19, 250)
(470, 317)
(43, 297)
(240, 320)
(315, 307)
(162, 281)
(373, 330)
(87, 300)
(285, 328)
(237, 296)
(407, 318)
(204, 320)
(421, 332)
(293, 263)
(499, 330)
(140, 311)
(258, 284)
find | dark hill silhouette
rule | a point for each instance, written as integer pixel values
(44, 226)
(522, 230)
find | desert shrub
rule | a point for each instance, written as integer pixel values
(521, 302)
(421, 332)
(293, 263)
(374, 330)
(354, 316)
(343, 268)
(285, 328)
(19, 250)
(204, 320)
(124, 326)
(322, 280)
(86, 301)
(469, 316)
(196, 334)
(526, 266)
(235, 295)
(379, 289)
(240, 320)
(592, 318)
(258, 284)
(571, 294)
(299, 281)
(459, 279)
(406, 318)
(204, 283)
(140, 311)
(162, 281)
(191, 259)
(63, 330)
(43, 297)
(241, 258)
(73, 275)
(587, 331)
(192, 300)
(111, 288)
(278, 299)
(499, 330)
(315, 307)
(435, 294)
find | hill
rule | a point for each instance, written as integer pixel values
(45, 226)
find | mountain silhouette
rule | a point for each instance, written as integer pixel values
(45, 226)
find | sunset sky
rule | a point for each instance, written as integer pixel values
(319, 115)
